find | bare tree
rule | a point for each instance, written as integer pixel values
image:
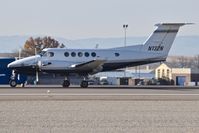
(184, 62)
(39, 44)
(196, 62)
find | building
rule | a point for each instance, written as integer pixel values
(180, 76)
(163, 71)
(195, 76)
(127, 77)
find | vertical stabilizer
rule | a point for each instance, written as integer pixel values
(162, 38)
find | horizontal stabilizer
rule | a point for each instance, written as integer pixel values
(173, 24)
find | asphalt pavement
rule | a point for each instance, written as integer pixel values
(99, 109)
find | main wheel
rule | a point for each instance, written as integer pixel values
(13, 83)
(66, 84)
(84, 84)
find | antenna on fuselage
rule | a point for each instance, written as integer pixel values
(97, 46)
(19, 57)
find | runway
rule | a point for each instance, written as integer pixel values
(99, 109)
(100, 93)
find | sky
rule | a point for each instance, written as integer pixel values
(77, 19)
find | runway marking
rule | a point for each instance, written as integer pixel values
(93, 94)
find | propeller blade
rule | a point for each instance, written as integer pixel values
(37, 76)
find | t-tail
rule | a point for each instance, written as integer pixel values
(162, 38)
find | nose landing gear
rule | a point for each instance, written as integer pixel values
(13, 83)
(15, 80)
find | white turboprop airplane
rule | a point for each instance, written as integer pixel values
(86, 62)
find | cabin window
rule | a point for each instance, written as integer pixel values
(86, 54)
(117, 54)
(66, 54)
(73, 54)
(80, 54)
(50, 54)
(93, 54)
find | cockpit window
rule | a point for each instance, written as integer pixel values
(43, 53)
(50, 54)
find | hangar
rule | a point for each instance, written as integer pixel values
(180, 76)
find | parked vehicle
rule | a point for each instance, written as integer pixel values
(104, 82)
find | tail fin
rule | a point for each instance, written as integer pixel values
(162, 38)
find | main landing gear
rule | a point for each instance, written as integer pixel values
(84, 84)
(66, 84)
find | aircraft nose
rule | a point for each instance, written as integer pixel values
(25, 62)
(13, 64)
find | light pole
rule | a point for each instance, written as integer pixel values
(125, 26)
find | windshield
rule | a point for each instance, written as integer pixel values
(43, 53)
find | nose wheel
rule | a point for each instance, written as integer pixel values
(66, 83)
(13, 83)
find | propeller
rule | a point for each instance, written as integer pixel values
(19, 57)
(37, 75)
(37, 66)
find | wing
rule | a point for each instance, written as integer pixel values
(93, 65)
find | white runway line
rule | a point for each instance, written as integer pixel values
(93, 94)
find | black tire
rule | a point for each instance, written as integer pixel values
(66, 84)
(13, 83)
(84, 84)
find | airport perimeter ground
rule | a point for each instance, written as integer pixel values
(97, 109)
